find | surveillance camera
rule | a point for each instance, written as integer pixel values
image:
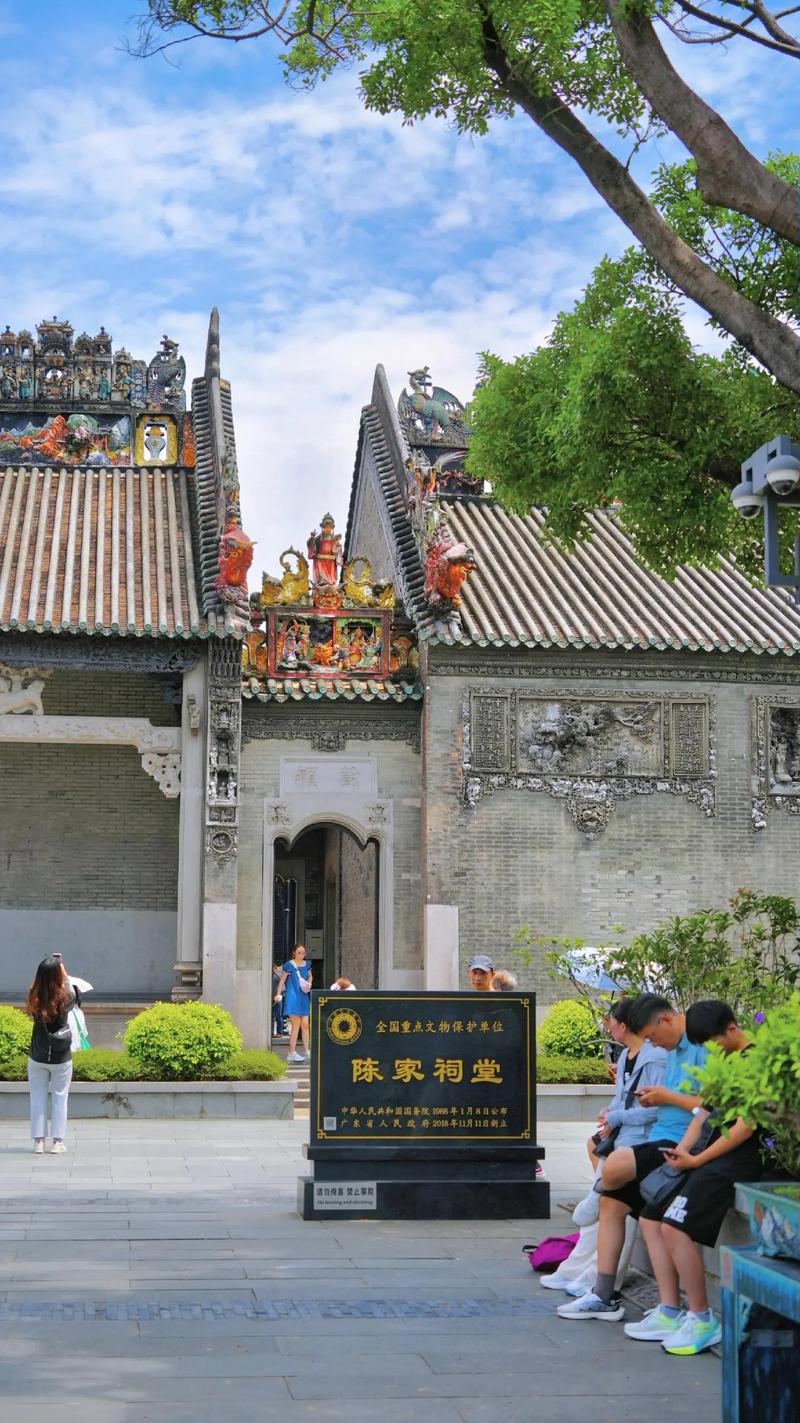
(782, 476)
(745, 501)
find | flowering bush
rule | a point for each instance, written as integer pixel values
(747, 954)
(763, 1084)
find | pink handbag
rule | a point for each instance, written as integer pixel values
(550, 1252)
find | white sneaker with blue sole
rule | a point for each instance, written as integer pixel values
(590, 1306)
(695, 1335)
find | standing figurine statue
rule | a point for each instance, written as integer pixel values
(325, 552)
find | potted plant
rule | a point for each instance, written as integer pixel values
(763, 1086)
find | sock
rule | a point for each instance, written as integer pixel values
(604, 1287)
(670, 1311)
(704, 1315)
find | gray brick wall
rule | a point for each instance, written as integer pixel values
(517, 858)
(89, 847)
(83, 827)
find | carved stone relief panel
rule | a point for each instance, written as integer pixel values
(590, 738)
(224, 741)
(588, 750)
(776, 757)
(491, 730)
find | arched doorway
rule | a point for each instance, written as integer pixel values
(326, 895)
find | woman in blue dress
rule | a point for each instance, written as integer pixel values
(295, 977)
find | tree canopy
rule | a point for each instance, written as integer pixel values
(617, 405)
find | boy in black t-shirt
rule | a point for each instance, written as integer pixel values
(691, 1217)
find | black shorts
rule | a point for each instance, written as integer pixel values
(700, 1204)
(648, 1155)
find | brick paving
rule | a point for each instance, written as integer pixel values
(159, 1271)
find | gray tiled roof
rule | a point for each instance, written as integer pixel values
(526, 591)
(98, 551)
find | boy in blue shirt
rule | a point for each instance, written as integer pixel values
(654, 1018)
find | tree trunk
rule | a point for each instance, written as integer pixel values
(727, 173)
(773, 344)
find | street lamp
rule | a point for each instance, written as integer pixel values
(771, 482)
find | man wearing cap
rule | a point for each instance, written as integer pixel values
(481, 973)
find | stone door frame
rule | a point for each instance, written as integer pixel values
(368, 818)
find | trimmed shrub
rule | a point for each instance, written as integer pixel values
(569, 1030)
(15, 1033)
(552, 1069)
(182, 1040)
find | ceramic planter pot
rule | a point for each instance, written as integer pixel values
(774, 1208)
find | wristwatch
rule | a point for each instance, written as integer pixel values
(695, 1111)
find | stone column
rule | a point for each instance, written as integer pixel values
(222, 823)
(441, 946)
(189, 966)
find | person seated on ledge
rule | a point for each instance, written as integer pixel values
(480, 971)
(653, 1017)
(675, 1229)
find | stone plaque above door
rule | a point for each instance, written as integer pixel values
(328, 775)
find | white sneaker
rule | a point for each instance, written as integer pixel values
(694, 1335)
(590, 1306)
(656, 1325)
(552, 1282)
(38, 1146)
(58, 1148)
(294, 1057)
(587, 1211)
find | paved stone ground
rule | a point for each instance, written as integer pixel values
(158, 1273)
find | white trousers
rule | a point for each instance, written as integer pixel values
(55, 1077)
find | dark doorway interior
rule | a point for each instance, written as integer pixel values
(326, 897)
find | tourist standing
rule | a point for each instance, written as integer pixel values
(480, 971)
(295, 980)
(50, 997)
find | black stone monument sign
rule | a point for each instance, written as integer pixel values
(423, 1106)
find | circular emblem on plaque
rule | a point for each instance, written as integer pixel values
(344, 1026)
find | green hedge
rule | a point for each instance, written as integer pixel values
(15, 1034)
(554, 1068)
(104, 1064)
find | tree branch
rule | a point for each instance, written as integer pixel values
(776, 37)
(771, 342)
(727, 173)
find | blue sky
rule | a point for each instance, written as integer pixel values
(139, 194)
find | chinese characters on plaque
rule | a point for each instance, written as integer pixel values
(454, 1067)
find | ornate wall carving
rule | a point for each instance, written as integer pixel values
(21, 690)
(328, 733)
(100, 654)
(224, 741)
(158, 746)
(775, 757)
(165, 768)
(588, 751)
(608, 670)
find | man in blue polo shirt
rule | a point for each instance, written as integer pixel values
(652, 1017)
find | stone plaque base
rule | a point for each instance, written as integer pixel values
(439, 1199)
